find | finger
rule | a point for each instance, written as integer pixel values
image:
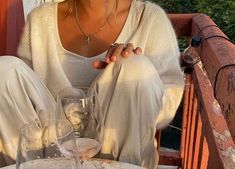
(110, 52)
(99, 64)
(117, 52)
(138, 51)
(128, 50)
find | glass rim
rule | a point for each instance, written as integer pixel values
(76, 88)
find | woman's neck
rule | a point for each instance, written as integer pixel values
(96, 9)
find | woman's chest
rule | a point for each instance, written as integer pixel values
(90, 38)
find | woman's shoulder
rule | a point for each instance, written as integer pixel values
(43, 11)
(150, 9)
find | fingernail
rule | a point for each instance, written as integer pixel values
(107, 60)
(126, 53)
(114, 58)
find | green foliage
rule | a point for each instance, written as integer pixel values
(221, 11)
(176, 6)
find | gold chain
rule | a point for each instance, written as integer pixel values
(88, 37)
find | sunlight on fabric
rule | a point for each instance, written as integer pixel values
(30, 4)
(109, 133)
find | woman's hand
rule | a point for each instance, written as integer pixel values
(115, 52)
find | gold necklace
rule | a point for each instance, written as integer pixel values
(88, 37)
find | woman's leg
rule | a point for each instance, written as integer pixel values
(23, 98)
(130, 92)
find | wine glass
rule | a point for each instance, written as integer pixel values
(66, 142)
(39, 142)
(81, 107)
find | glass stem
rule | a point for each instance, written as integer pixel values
(81, 162)
(76, 164)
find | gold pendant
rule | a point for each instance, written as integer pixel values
(87, 40)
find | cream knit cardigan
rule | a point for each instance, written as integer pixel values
(147, 27)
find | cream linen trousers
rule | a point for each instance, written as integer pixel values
(130, 92)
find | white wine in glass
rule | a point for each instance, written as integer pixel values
(66, 142)
(81, 107)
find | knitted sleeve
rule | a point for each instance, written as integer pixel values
(164, 53)
(24, 49)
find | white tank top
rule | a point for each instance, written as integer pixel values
(79, 69)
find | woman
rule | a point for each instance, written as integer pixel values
(138, 94)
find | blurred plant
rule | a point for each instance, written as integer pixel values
(176, 6)
(221, 11)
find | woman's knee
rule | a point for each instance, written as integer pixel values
(135, 68)
(10, 62)
(9, 65)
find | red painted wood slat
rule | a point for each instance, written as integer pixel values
(11, 25)
(197, 142)
(185, 116)
(3, 26)
(189, 119)
(192, 132)
(205, 154)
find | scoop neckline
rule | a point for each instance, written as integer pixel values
(84, 57)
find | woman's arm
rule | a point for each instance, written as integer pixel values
(162, 47)
(24, 48)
